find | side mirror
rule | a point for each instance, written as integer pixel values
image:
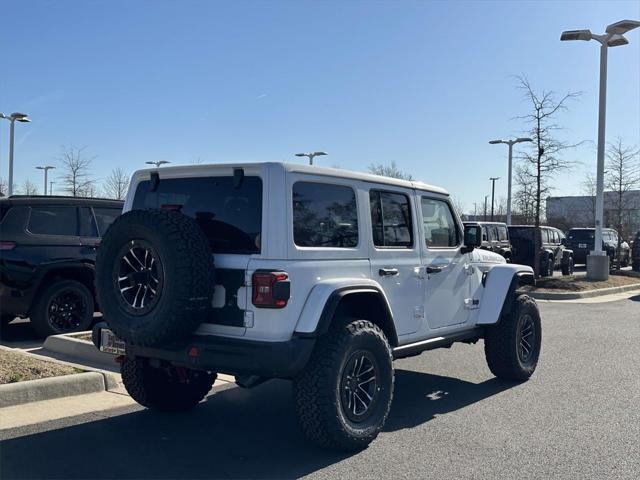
(472, 238)
(563, 242)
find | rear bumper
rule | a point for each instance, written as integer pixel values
(230, 355)
(15, 302)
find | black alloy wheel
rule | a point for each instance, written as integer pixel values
(359, 386)
(138, 276)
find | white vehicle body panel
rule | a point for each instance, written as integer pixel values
(423, 306)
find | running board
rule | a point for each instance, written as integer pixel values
(411, 349)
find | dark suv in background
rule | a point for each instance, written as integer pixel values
(47, 255)
(552, 254)
(495, 238)
(582, 241)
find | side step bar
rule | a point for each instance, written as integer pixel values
(411, 349)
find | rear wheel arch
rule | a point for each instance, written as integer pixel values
(83, 273)
(358, 302)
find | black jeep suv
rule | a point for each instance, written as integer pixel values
(552, 253)
(47, 256)
(582, 241)
(495, 238)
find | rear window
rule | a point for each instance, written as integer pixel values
(105, 217)
(324, 215)
(390, 219)
(231, 218)
(53, 220)
(516, 233)
(502, 233)
(581, 235)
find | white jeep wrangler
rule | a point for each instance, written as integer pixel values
(321, 276)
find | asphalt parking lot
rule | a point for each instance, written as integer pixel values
(577, 417)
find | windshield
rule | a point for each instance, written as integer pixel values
(231, 218)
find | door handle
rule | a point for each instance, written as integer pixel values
(435, 268)
(388, 272)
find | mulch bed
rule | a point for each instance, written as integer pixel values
(18, 367)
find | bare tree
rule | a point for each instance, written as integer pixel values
(391, 170)
(458, 206)
(588, 187)
(77, 178)
(524, 198)
(623, 175)
(28, 188)
(3, 187)
(116, 184)
(546, 158)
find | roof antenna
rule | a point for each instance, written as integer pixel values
(155, 181)
(238, 177)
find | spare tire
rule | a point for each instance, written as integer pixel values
(154, 277)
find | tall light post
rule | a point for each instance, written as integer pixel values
(20, 117)
(493, 192)
(159, 163)
(511, 143)
(51, 187)
(485, 207)
(597, 260)
(46, 169)
(311, 155)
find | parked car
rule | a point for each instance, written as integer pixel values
(495, 238)
(321, 276)
(47, 256)
(582, 241)
(553, 252)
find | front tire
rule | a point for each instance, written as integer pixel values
(567, 268)
(344, 394)
(65, 306)
(165, 388)
(512, 347)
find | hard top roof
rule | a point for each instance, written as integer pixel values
(298, 168)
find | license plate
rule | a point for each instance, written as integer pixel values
(109, 343)
(582, 245)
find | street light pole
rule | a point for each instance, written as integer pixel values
(51, 187)
(511, 143)
(310, 156)
(46, 169)
(597, 260)
(493, 191)
(485, 207)
(20, 117)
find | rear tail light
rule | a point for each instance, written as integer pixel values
(271, 289)
(7, 245)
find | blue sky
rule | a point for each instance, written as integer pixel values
(426, 84)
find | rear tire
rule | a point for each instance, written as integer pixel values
(344, 394)
(567, 268)
(65, 306)
(166, 389)
(512, 347)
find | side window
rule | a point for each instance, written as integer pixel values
(105, 217)
(324, 215)
(493, 234)
(440, 228)
(545, 235)
(390, 219)
(502, 233)
(53, 220)
(88, 227)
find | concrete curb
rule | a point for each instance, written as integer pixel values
(49, 388)
(73, 347)
(588, 294)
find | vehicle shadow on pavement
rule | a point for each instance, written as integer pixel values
(235, 433)
(635, 298)
(419, 397)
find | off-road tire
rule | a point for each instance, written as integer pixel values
(317, 390)
(501, 342)
(161, 389)
(40, 315)
(547, 268)
(184, 264)
(567, 268)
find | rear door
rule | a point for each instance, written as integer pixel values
(230, 214)
(395, 255)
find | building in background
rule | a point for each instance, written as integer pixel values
(570, 212)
